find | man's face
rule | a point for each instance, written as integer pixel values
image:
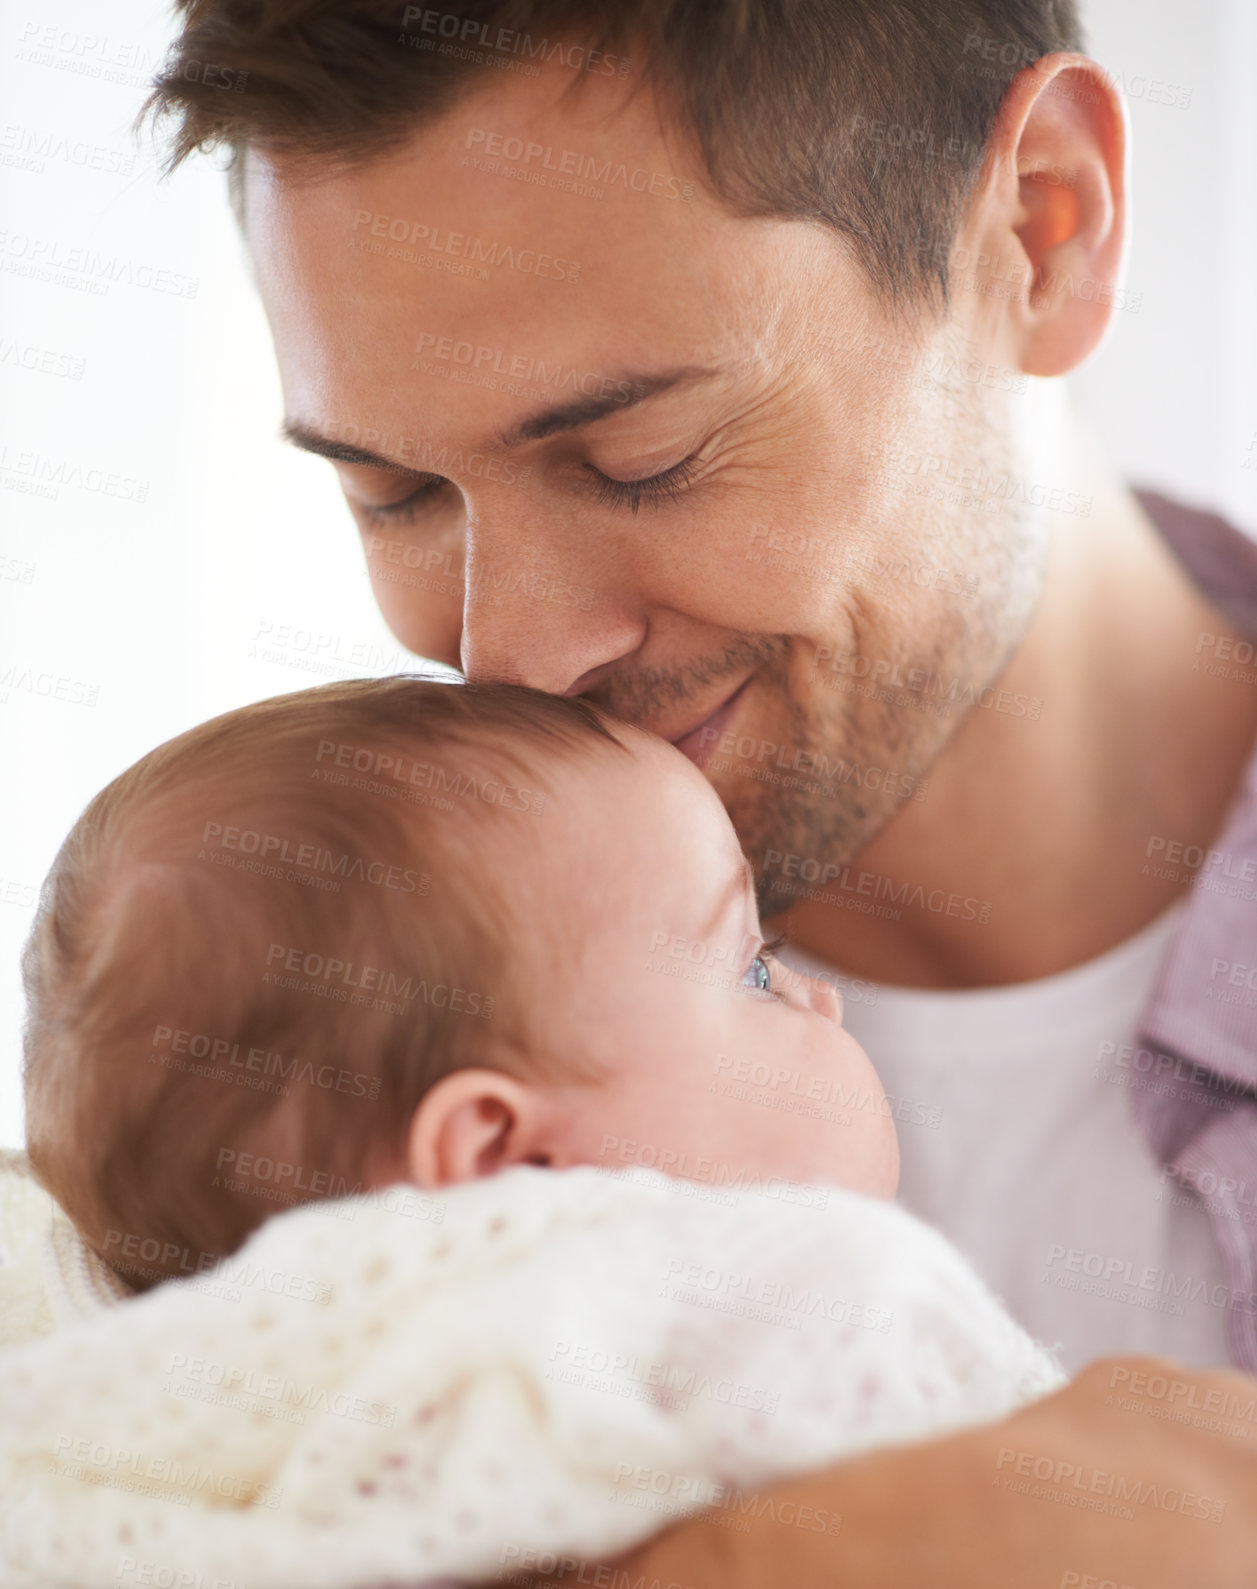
(494, 360)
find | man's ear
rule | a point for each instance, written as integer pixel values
(1050, 213)
(474, 1123)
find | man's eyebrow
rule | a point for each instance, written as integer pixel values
(309, 440)
(619, 392)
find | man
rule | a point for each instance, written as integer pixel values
(705, 362)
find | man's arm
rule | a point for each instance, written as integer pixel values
(1095, 1484)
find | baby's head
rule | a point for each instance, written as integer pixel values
(403, 930)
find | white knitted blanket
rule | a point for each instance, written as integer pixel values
(48, 1275)
(401, 1389)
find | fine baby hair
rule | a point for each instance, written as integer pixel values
(272, 935)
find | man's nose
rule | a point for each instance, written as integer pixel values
(529, 617)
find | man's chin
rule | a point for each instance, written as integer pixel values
(807, 809)
(789, 827)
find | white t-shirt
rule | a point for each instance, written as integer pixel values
(1018, 1140)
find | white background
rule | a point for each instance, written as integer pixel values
(157, 606)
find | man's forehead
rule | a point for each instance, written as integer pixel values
(436, 261)
(587, 114)
(500, 157)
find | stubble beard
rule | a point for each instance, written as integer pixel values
(819, 762)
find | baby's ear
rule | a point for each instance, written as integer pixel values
(474, 1123)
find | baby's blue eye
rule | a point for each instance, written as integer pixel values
(758, 976)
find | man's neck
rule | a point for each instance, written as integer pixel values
(1051, 827)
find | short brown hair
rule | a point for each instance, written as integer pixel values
(870, 116)
(165, 1033)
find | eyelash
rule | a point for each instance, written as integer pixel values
(768, 951)
(376, 513)
(654, 490)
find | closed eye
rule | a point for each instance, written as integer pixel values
(423, 496)
(654, 490)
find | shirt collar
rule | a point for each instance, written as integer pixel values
(1204, 1004)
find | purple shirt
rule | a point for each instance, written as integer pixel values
(1196, 1093)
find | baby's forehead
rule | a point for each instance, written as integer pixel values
(643, 832)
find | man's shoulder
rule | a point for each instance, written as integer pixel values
(1220, 557)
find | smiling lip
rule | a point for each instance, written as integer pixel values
(699, 744)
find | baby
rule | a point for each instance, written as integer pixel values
(454, 938)
(405, 930)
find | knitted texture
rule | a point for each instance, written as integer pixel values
(48, 1274)
(398, 1389)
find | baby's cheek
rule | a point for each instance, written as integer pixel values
(836, 1121)
(759, 1121)
(706, 1127)
(872, 1145)
(889, 1163)
(740, 1132)
(654, 1124)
